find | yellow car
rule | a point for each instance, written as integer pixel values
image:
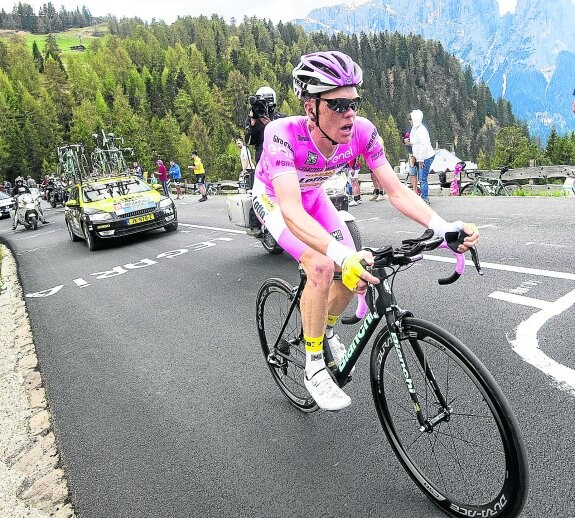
(114, 207)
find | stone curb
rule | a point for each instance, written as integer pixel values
(32, 480)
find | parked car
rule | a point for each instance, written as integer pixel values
(116, 206)
(7, 203)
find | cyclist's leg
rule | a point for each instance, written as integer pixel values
(315, 296)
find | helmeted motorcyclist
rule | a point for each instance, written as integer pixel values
(22, 188)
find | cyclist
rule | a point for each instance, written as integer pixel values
(299, 154)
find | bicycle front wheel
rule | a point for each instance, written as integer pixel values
(472, 190)
(468, 457)
(286, 361)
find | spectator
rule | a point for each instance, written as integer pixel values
(198, 169)
(176, 174)
(138, 171)
(422, 150)
(354, 169)
(246, 176)
(163, 177)
(412, 169)
(30, 181)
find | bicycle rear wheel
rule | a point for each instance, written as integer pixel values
(508, 189)
(471, 461)
(287, 361)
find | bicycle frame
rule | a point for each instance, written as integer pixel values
(385, 306)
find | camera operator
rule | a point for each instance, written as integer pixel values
(262, 110)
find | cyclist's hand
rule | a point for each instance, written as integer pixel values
(461, 241)
(353, 273)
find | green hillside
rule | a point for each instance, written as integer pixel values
(66, 39)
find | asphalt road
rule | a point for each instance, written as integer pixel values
(164, 407)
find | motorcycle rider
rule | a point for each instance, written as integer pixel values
(22, 188)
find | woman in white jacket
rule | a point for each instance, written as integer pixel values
(422, 150)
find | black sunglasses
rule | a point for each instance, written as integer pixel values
(341, 105)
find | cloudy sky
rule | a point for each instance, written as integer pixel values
(169, 10)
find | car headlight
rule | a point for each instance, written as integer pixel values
(100, 216)
(166, 202)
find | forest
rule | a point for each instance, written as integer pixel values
(170, 89)
(48, 19)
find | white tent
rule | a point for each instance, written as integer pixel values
(444, 160)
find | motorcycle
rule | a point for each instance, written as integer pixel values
(58, 196)
(241, 212)
(28, 211)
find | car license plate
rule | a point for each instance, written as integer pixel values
(140, 219)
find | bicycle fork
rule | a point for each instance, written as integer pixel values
(445, 411)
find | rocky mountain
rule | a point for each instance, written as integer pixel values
(526, 57)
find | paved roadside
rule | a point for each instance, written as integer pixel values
(32, 481)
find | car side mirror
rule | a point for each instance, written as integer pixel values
(72, 203)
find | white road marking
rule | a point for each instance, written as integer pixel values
(520, 299)
(525, 343)
(214, 228)
(507, 268)
(530, 243)
(38, 234)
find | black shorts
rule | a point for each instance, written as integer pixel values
(177, 181)
(201, 178)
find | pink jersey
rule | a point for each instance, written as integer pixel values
(288, 149)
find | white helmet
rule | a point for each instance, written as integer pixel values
(267, 91)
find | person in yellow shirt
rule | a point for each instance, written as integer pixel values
(198, 168)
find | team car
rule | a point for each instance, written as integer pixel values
(114, 207)
(7, 203)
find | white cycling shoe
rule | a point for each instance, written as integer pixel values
(326, 393)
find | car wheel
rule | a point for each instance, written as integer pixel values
(171, 227)
(91, 239)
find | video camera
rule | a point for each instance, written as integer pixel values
(262, 105)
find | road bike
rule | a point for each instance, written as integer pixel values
(482, 186)
(72, 163)
(213, 189)
(445, 417)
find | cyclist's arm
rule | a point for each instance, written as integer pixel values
(412, 206)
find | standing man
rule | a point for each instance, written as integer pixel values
(246, 176)
(198, 168)
(422, 150)
(176, 175)
(163, 177)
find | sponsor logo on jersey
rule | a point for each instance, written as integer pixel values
(372, 140)
(310, 169)
(284, 163)
(377, 154)
(342, 157)
(282, 142)
(311, 158)
(302, 138)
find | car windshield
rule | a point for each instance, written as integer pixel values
(3, 196)
(112, 189)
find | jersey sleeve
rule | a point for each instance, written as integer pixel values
(371, 144)
(278, 149)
